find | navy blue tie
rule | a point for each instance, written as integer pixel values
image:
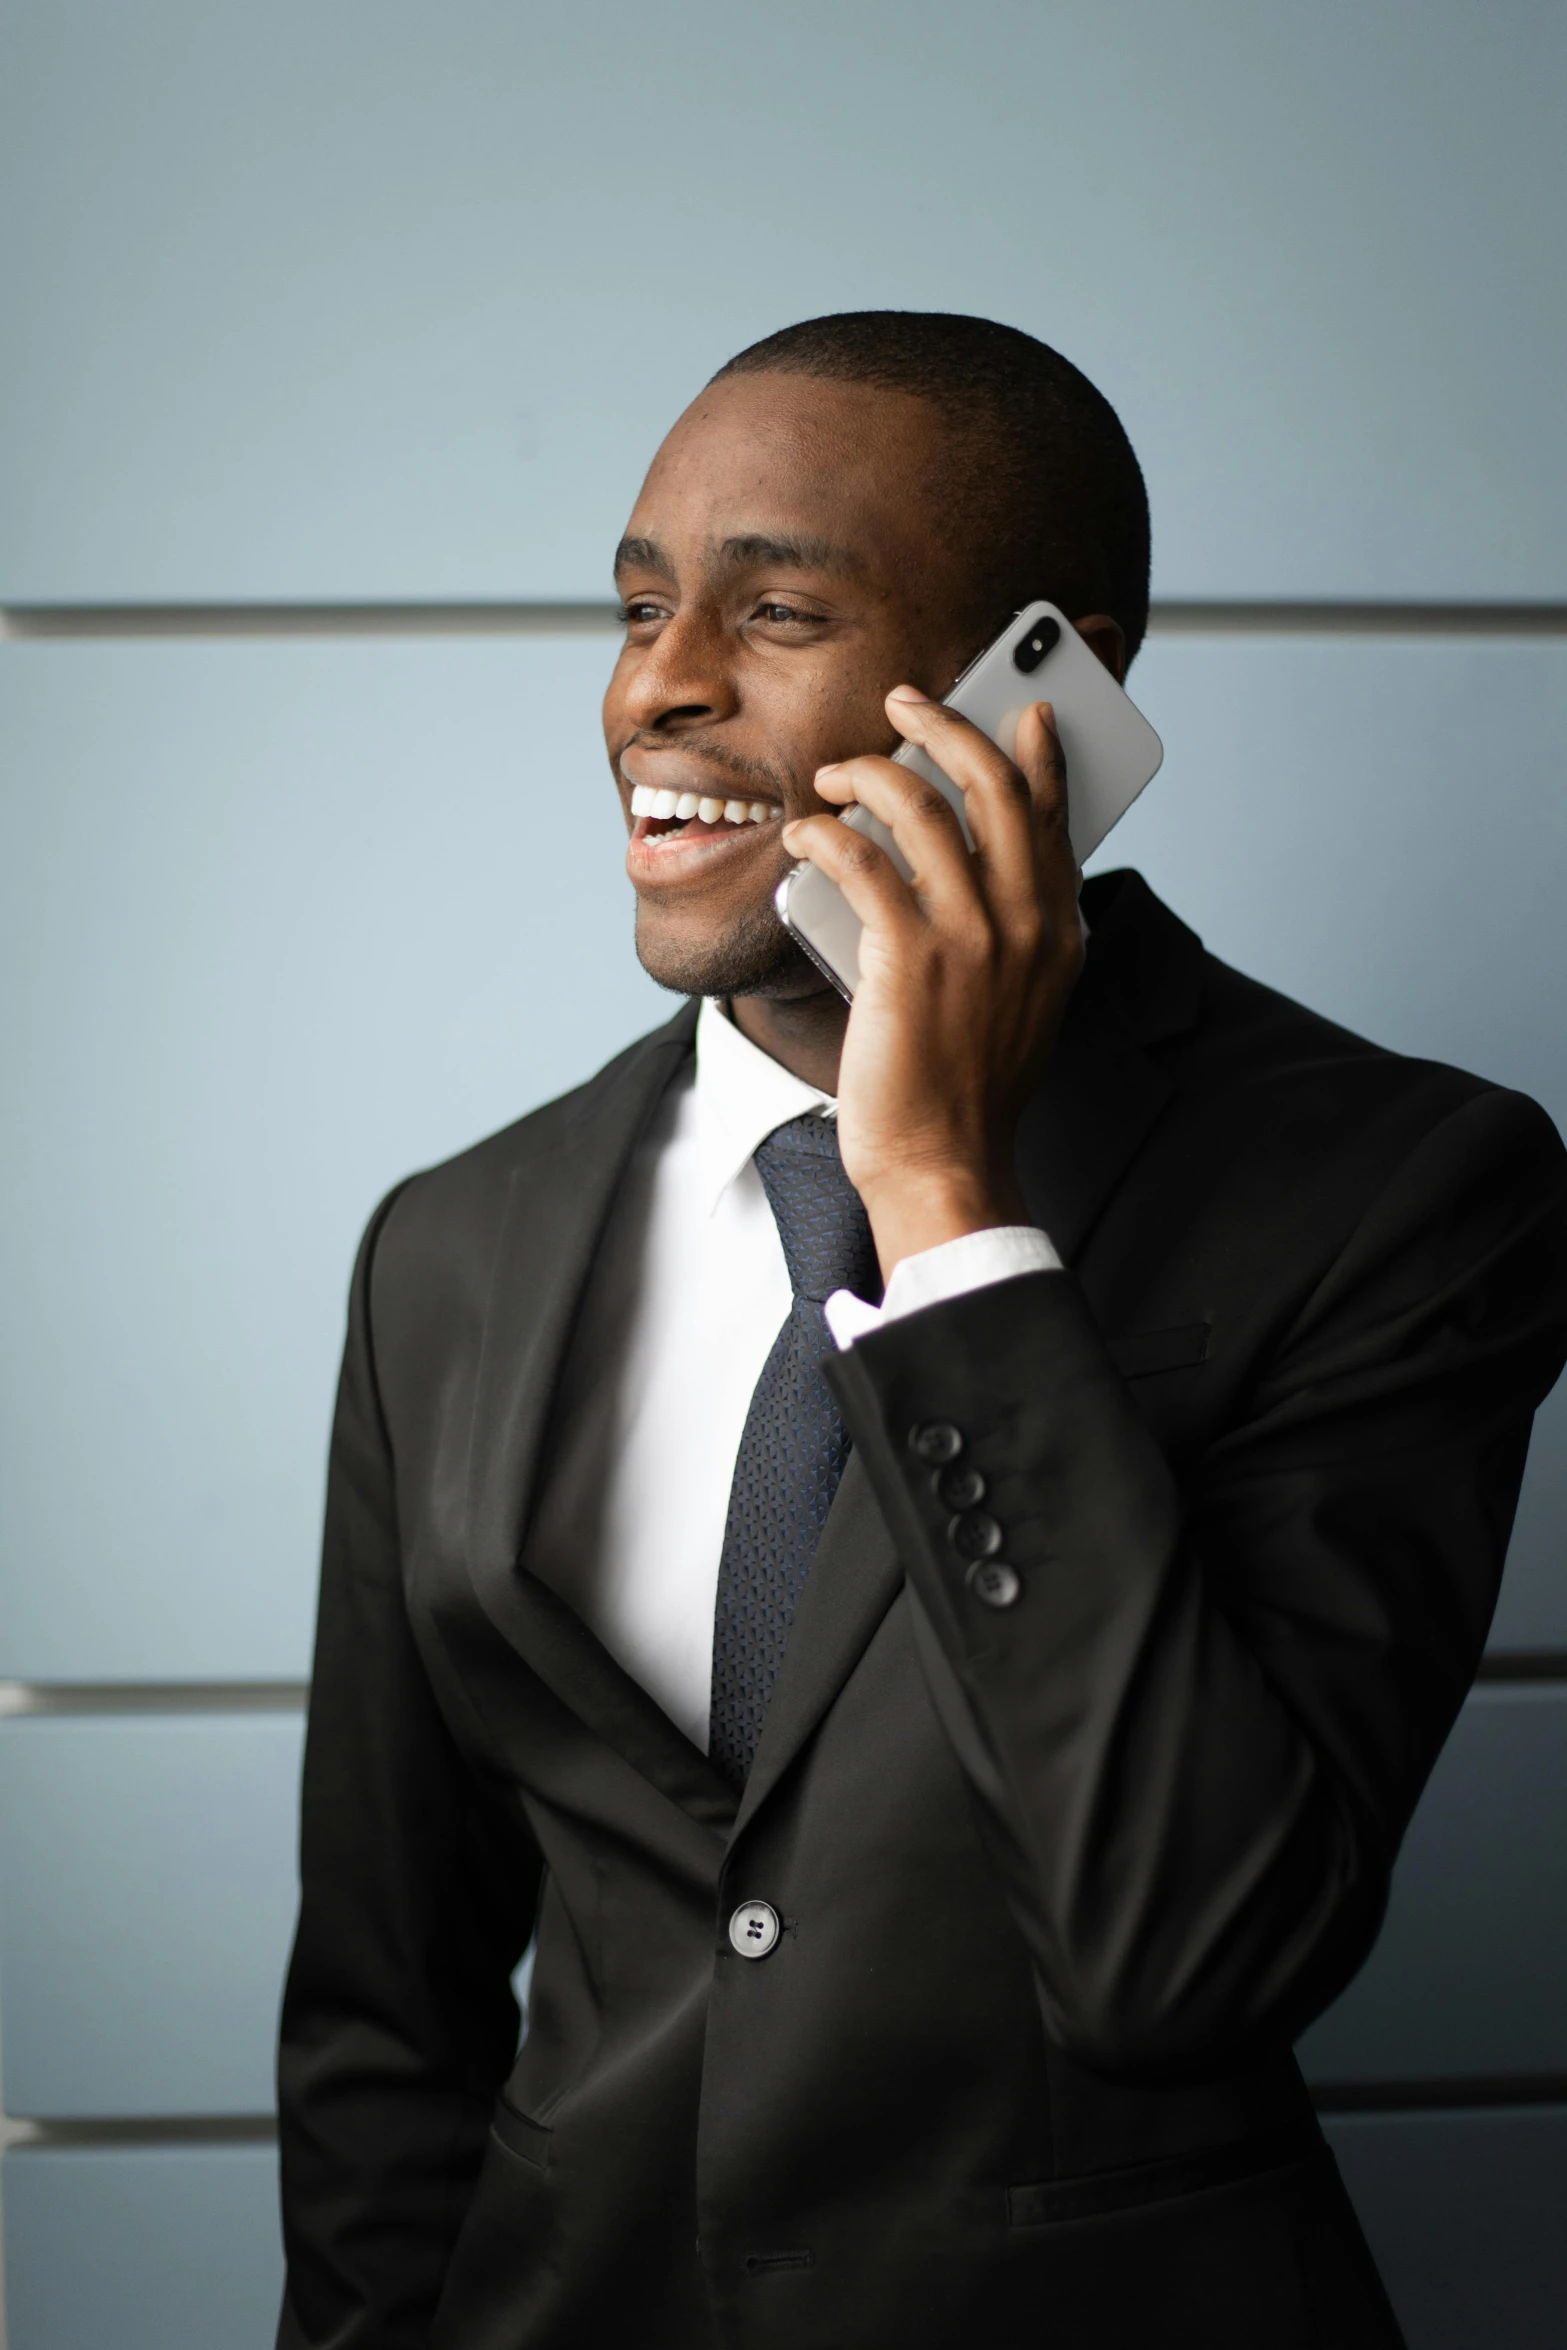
(794, 1444)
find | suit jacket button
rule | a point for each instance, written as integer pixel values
(754, 1928)
(994, 1583)
(974, 1534)
(960, 1487)
(937, 1442)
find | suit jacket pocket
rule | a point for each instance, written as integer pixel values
(1048, 2202)
(528, 2140)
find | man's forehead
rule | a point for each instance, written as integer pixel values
(798, 438)
(790, 473)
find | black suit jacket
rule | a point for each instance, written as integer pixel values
(1059, 1883)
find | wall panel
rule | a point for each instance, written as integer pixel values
(1378, 827)
(449, 273)
(276, 923)
(1374, 825)
(150, 1887)
(1466, 1980)
(141, 2248)
(1463, 2211)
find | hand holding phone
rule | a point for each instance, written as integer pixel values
(1110, 749)
(964, 972)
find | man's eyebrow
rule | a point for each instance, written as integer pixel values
(755, 550)
(642, 555)
(747, 551)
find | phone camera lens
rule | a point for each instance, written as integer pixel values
(1030, 650)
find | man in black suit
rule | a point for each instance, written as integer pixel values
(946, 1744)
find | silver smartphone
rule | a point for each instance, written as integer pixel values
(1111, 751)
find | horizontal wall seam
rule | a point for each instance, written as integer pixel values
(152, 1697)
(225, 2129)
(307, 619)
(1306, 616)
(1495, 2092)
(1170, 616)
(236, 1697)
(1458, 2095)
(1523, 1664)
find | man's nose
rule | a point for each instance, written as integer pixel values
(683, 677)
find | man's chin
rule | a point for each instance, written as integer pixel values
(752, 954)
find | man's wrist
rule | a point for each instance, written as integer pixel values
(914, 1213)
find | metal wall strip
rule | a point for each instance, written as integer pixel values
(251, 2129)
(252, 1697)
(220, 2129)
(153, 1697)
(1439, 2096)
(1168, 617)
(1523, 1664)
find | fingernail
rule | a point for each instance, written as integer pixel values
(907, 693)
(831, 767)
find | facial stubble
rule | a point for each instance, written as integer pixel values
(754, 956)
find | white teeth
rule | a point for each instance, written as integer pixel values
(646, 800)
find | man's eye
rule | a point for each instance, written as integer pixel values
(633, 614)
(779, 613)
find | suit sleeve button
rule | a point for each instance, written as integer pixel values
(974, 1534)
(754, 1929)
(960, 1487)
(937, 1441)
(994, 1583)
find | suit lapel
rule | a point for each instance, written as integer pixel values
(1085, 1124)
(576, 1666)
(561, 1196)
(1102, 1092)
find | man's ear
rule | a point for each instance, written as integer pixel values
(1108, 639)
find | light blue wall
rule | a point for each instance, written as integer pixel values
(1464, 2213)
(148, 1867)
(391, 302)
(159, 2248)
(1466, 1981)
(278, 923)
(385, 299)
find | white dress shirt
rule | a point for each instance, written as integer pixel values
(685, 1300)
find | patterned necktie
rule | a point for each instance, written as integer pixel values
(794, 1444)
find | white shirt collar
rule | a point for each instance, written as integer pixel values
(742, 1094)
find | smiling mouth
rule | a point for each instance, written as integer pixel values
(686, 815)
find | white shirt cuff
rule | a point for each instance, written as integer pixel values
(973, 1261)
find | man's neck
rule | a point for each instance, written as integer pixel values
(803, 1033)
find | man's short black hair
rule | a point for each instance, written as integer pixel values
(1045, 489)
